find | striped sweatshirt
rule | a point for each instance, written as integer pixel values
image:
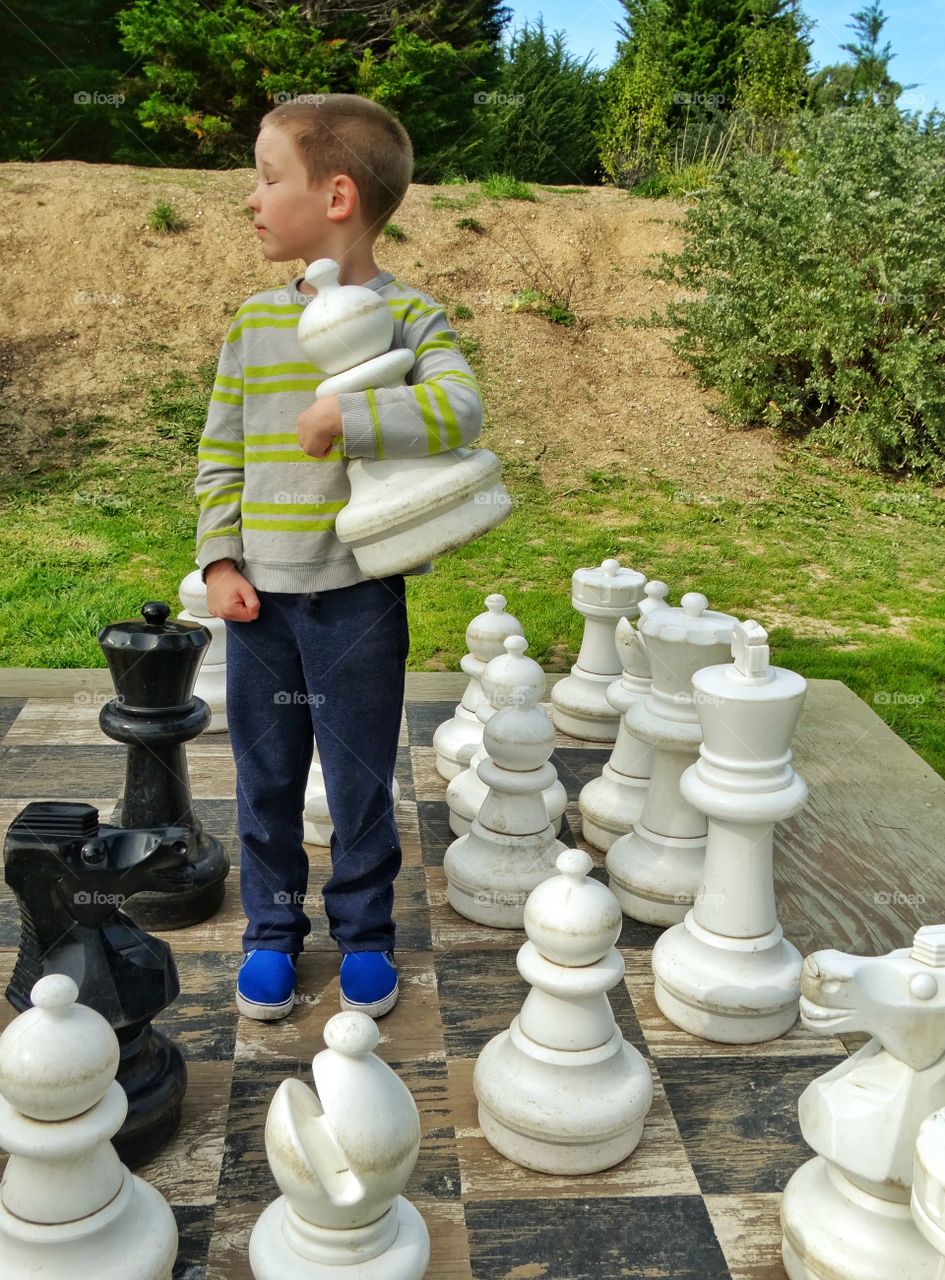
(272, 508)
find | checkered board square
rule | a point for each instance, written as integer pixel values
(697, 1200)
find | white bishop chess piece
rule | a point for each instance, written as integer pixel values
(402, 511)
(342, 1155)
(656, 870)
(510, 847)
(928, 1185)
(506, 680)
(579, 703)
(562, 1091)
(846, 1213)
(611, 803)
(211, 678)
(727, 972)
(456, 739)
(69, 1209)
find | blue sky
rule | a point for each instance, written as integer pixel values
(915, 29)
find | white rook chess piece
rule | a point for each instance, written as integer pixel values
(342, 1156)
(846, 1213)
(928, 1185)
(579, 702)
(69, 1208)
(402, 511)
(656, 870)
(727, 972)
(611, 803)
(211, 678)
(506, 680)
(456, 739)
(561, 1090)
(510, 847)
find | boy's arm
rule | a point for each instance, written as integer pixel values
(219, 481)
(439, 409)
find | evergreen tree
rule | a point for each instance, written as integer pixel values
(867, 78)
(638, 97)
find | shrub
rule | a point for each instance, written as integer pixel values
(165, 219)
(816, 283)
(502, 186)
(394, 231)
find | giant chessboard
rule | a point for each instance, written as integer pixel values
(859, 869)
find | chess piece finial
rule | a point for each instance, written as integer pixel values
(342, 1156)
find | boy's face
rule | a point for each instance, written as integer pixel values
(289, 210)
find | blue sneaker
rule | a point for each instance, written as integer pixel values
(265, 986)
(369, 982)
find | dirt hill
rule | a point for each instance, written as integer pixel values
(97, 304)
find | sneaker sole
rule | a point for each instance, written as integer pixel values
(264, 1012)
(375, 1010)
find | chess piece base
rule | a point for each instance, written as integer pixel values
(489, 882)
(610, 806)
(456, 741)
(734, 991)
(153, 1074)
(560, 1111)
(656, 878)
(272, 1258)
(579, 706)
(835, 1231)
(133, 1235)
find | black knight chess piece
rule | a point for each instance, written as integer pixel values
(153, 665)
(70, 876)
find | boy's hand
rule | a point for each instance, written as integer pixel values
(319, 426)
(229, 594)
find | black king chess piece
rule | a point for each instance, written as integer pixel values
(70, 876)
(153, 665)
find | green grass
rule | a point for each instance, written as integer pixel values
(471, 224)
(393, 231)
(165, 219)
(462, 312)
(502, 186)
(467, 201)
(844, 569)
(534, 300)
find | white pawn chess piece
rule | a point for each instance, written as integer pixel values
(317, 826)
(579, 703)
(562, 1091)
(505, 681)
(611, 803)
(456, 739)
(342, 1155)
(846, 1213)
(68, 1207)
(510, 847)
(211, 678)
(656, 870)
(727, 972)
(928, 1185)
(402, 511)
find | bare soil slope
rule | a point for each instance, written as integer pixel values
(96, 305)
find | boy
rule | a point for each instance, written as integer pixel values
(313, 646)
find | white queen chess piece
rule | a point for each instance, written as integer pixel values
(579, 703)
(211, 678)
(68, 1207)
(342, 1155)
(402, 511)
(846, 1213)
(656, 870)
(506, 680)
(456, 739)
(611, 803)
(562, 1091)
(727, 972)
(510, 847)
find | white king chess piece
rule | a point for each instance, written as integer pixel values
(579, 702)
(69, 1209)
(727, 972)
(561, 1090)
(211, 678)
(846, 1213)
(402, 511)
(342, 1155)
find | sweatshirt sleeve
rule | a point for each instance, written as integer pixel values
(440, 408)
(219, 481)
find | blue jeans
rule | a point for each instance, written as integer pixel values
(332, 663)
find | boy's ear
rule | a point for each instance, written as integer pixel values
(344, 197)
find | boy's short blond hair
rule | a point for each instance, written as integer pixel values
(345, 133)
